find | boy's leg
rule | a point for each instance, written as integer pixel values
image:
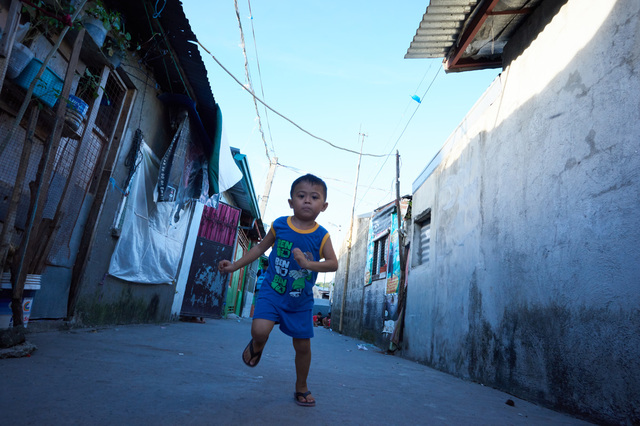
(260, 330)
(303, 361)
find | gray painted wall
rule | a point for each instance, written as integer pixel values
(533, 285)
(103, 299)
(364, 307)
(352, 317)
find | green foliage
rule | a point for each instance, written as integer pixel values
(46, 18)
(88, 86)
(118, 39)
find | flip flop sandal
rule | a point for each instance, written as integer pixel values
(304, 403)
(253, 355)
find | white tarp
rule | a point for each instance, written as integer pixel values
(153, 233)
(230, 174)
(151, 242)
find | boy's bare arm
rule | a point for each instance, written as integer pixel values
(254, 253)
(329, 264)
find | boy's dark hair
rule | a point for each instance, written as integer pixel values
(313, 180)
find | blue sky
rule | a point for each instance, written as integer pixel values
(336, 69)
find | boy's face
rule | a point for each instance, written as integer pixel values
(308, 201)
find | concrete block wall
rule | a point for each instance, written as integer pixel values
(533, 285)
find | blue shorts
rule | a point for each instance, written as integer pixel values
(298, 325)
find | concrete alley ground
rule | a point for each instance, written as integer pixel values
(192, 374)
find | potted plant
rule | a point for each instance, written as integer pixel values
(97, 21)
(39, 19)
(77, 106)
(117, 42)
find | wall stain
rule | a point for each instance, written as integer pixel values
(126, 310)
(575, 84)
(574, 360)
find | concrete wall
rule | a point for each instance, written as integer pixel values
(533, 282)
(364, 309)
(103, 299)
(352, 316)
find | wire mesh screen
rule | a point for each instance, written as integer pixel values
(81, 161)
(110, 106)
(9, 163)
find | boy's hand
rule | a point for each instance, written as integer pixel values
(225, 266)
(299, 257)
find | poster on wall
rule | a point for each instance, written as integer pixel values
(368, 276)
(393, 270)
(393, 274)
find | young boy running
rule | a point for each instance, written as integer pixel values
(286, 296)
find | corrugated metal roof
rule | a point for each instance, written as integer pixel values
(180, 70)
(468, 34)
(439, 28)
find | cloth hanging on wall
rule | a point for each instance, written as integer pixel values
(151, 241)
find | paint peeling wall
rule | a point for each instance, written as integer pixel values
(103, 299)
(533, 284)
(352, 316)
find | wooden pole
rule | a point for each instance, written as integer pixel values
(395, 337)
(40, 188)
(267, 187)
(12, 211)
(400, 242)
(32, 86)
(350, 236)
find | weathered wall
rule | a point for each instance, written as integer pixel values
(103, 299)
(365, 305)
(352, 317)
(373, 313)
(533, 282)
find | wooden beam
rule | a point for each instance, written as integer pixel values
(479, 17)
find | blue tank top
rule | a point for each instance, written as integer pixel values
(285, 283)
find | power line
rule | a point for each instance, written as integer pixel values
(403, 130)
(246, 70)
(303, 172)
(282, 116)
(255, 47)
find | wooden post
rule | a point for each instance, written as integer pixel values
(350, 236)
(400, 239)
(6, 43)
(267, 187)
(40, 188)
(395, 337)
(10, 219)
(25, 103)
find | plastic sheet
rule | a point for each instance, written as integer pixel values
(151, 242)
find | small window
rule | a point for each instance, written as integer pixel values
(422, 238)
(380, 252)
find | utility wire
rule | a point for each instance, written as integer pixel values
(304, 172)
(403, 130)
(248, 75)
(282, 116)
(411, 100)
(255, 47)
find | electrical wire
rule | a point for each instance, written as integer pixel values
(158, 12)
(248, 75)
(411, 100)
(403, 130)
(304, 172)
(282, 116)
(255, 47)
(327, 178)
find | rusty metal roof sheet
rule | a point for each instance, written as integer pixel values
(468, 34)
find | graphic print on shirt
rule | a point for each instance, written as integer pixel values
(282, 269)
(279, 283)
(299, 276)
